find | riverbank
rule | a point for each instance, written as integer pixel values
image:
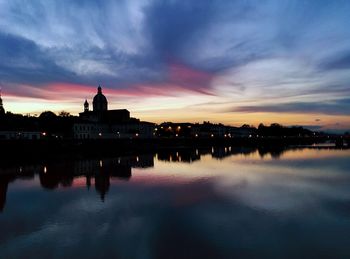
(47, 148)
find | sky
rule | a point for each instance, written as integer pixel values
(235, 62)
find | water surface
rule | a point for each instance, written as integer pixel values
(188, 203)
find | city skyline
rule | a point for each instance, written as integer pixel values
(237, 63)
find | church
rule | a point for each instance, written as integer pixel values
(101, 123)
(100, 112)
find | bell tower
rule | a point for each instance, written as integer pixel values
(86, 106)
(2, 110)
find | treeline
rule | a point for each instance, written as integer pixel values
(47, 122)
(279, 130)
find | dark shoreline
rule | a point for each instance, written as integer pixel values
(39, 149)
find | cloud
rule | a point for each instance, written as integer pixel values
(241, 51)
(339, 62)
(23, 61)
(336, 107)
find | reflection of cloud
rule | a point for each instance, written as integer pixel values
(288, 185)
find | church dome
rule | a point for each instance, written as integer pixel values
(100, 101)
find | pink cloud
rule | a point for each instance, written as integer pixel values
(189, 76)
(180, 79)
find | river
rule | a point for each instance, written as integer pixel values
(216, 202)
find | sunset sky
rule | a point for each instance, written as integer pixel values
(233, 62)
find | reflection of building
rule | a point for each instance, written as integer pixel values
(188, 155)
(102, 170)
(181, 155)
(3, 192)
(102, 184)
(101, 123)
(8, 175)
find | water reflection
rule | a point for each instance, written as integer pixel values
(98, 172)
(209, 202)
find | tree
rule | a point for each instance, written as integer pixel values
(64, 114)
(246, 126)
(276, 125)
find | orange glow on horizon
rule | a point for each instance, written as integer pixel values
(159, 103)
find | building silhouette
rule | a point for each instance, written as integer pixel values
(100, 112)
(100, 101)
(101, 123)
(2, 110)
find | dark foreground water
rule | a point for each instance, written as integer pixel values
(207, 203)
